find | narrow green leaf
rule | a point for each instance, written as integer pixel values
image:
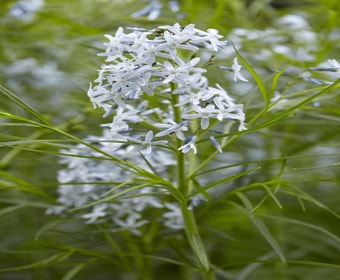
(289, 112)
(276, 79)
(194, 238)
(304, 224)
(272, 195)
(11, 209)
(21, 103)
(258, 80)
(224, 180)
(45, 262)
(15, 182)
(302, 195)
(261, 227)
(47, 227)
(70, 274)
(310, 263)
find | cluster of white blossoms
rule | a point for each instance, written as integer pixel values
(152, 87)
(89, 178)
(152, 78)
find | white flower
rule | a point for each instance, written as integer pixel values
(145, 146)
(97, 212)
(172, 127)
(117, 43)
(173, 218)
(334, 63)
(237, 74)
(191, 85)
(152, 11)
(125, 209)
(180, 71)
(204, 113)
(146, 199)
(177, 37)
(211, 38)
(226, 110)
(219, 91)
(173, 5)
(123, 117)
(131, 224)
(188, 145)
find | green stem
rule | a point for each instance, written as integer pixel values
(190, 224)
(182, 180)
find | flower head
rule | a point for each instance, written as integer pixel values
(147, 67)
(237, 71)
(188, 145)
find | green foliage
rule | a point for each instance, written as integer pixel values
(272, 208)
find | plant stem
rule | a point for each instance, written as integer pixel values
(182, 181)
(190, 224)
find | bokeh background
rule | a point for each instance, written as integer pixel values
(48, 56)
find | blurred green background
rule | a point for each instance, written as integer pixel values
(49, 56)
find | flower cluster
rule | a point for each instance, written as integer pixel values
(153, 87)
(152, 78)
(25, 9)
(88, 179)
(154, 9)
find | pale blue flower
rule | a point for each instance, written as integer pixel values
(131, 224)
(172, 127)
(188, 145)
(237, 71)
(146, 146)
(173, 217)
(97, 212)
(204, 113)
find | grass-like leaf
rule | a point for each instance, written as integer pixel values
(74, 271)
(303, 224)
(261, 227)
(21, 103)
(257, 78)
(224, 180)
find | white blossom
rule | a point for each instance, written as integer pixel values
(237, 74)
(188, 145)
(172, 127)
(145, 146)
(173, 217)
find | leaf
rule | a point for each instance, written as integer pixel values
(49, 261)
(259, 81)
(310, 263)
(261, 227)
(17, 100)
(16, 182)
(194, 238)
(275, 80)
(70, 274)
(224, 180)
(48, 226)
(304, 224)
(11, 209)
(302, 195)
(272, 195)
